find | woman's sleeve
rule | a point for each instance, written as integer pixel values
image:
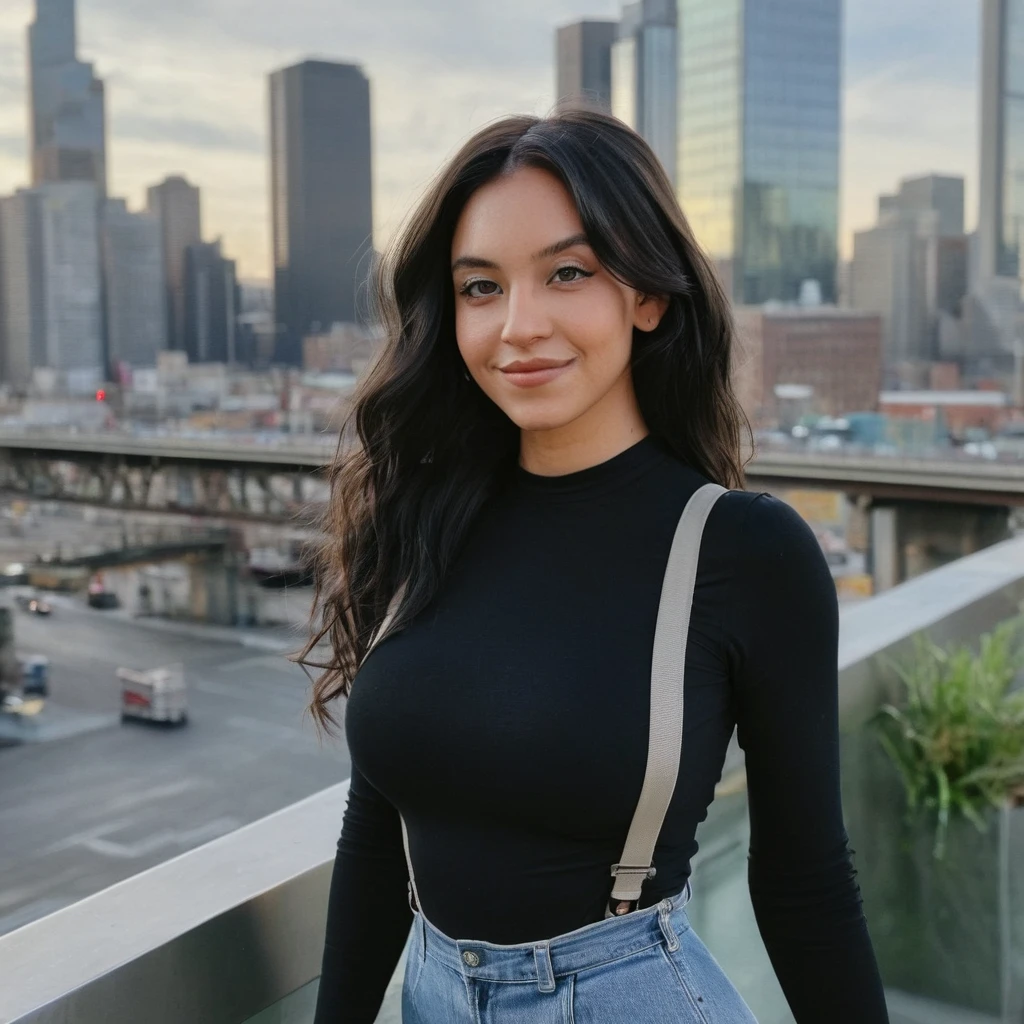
(368, 913)
(783, 637)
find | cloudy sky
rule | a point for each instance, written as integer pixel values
(186, 92)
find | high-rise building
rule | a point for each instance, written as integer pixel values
(49, 247)
(22, 288)
(321, 198)
(1001, 188)
(67, 122)
(133, 272)
(942, 194)
(175, 203)
(211, 304)
(583, 63)
(759, 119)
(994, 318)
(644, 76)
(912, 269)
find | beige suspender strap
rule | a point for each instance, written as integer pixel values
(665, 744)
(408, 864)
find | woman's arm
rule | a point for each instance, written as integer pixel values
(783, 637)
(368, 913)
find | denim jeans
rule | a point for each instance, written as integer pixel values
(647, 967)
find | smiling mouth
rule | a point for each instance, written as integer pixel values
(535, 366)
(536, 375)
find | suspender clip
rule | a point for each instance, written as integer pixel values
(634, 869)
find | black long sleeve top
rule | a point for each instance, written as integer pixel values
(508, 724)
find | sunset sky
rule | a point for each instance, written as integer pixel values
(186, 92)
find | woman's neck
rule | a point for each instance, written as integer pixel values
(609, 427)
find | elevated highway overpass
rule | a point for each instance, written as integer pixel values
(920, 511)
(943, 478)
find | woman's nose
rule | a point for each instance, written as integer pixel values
(526, 319)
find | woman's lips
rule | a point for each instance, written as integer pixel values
(532, 378)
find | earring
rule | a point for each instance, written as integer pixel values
(465, 373)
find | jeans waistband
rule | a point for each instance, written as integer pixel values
(543, 961)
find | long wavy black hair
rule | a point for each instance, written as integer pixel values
(423, 447)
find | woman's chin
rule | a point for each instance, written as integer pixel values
(533, 423)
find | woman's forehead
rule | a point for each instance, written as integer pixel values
(521, 213)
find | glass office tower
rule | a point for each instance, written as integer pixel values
(645, 85)
(1001, 213)
(759, 94)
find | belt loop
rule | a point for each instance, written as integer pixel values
(687, 894)
(545, 972)
(665, 923)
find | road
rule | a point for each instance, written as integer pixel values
(80, 813)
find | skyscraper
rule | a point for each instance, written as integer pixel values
(175, 203)
(51, 280)
(941, 194)
(211, 304)
(22, 288)
(133, 272)
(759, 140)
(321, 198)
(68, 131)
(644, 76)
(912, 269)
(583, 62)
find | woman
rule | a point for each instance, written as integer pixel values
(553, 392)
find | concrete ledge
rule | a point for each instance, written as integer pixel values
(215, 935)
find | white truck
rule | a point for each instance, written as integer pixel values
(154, 695)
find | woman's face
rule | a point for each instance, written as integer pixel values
(543, 328)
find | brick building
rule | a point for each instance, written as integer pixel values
(837, 353)
(956, 411)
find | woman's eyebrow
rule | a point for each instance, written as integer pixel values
(479, 263)
(565, 243)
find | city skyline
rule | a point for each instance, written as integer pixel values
(186, 94)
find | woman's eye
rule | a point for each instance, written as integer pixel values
(566, 275)
(483, 288)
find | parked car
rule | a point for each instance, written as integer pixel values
(99, 596)
(35, 675)
(33, 605)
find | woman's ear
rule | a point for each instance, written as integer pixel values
(648, 311)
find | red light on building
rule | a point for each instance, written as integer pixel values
(101, 395)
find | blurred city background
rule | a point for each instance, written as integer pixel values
(192, 200)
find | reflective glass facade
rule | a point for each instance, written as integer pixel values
(644, 76)
(711, 123)
(624, 92)
(759, 140)
(659, 90)
(1011, 186)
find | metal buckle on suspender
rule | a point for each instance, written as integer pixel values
(622, 907)
(634, 869)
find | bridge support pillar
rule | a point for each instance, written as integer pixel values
(909, 538)
(213, 591)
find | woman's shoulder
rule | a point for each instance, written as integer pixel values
(762, 535)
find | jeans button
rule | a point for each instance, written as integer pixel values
(470, 959)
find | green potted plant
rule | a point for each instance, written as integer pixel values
(957, 743)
